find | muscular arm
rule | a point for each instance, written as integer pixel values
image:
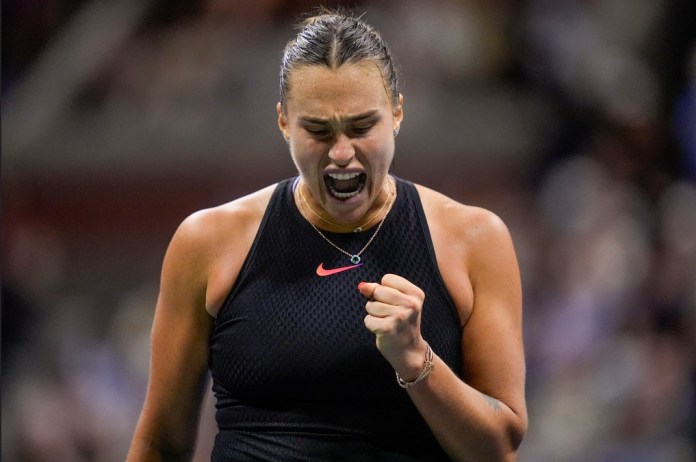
(481, 417)
(168, 424)
(201, 264)
(484, 416)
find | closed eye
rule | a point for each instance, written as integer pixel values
(361, 130)
(355, 127)
(318, 132)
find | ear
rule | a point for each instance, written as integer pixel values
(283, 122)
(398, 114)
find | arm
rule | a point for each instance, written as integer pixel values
(482, 417)
(168, 424)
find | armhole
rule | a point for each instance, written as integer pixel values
(243, 271)
(425, 229)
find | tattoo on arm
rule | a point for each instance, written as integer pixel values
(492, 402)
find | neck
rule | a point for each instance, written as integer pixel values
(317, 216)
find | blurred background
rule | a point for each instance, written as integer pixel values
(574, 120)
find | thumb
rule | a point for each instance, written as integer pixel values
(367, 288)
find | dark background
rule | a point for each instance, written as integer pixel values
(573, 120)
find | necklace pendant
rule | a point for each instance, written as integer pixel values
(358, 229)
(355, 259)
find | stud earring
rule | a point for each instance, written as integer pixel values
(396, 132)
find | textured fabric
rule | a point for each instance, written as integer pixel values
(296, 374)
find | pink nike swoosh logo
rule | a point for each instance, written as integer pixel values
(328, 272)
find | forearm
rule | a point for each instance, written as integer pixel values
(469, 425)
(148, 449)
(161, 436)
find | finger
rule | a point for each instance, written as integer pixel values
(400, 317)
(379, 325)
(367, 288)
(374, 308)
(402, 285)
(381, 310)
(378, 292)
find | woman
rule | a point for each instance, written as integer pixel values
(344, 314)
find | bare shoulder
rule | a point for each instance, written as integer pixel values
(467, 240)
(210, 245)
(215, 226)
(464, 223)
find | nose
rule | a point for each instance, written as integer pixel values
(342, 152)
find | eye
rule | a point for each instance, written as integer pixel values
(318, 132)
(360, 130)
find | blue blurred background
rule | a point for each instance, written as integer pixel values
(574, 120)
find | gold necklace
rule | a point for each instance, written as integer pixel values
(356, 229)
(354, 258)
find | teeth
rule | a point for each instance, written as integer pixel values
(341, 195)
(343, 176)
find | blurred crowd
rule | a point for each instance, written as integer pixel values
(573, 120)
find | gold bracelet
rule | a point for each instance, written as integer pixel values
(427, 367)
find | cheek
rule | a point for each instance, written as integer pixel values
(306, 156)
(381, 149)
(307, 150)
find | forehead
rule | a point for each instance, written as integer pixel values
(349, 89)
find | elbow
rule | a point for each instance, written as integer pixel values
(499, 445)
(506, 450)
(513, 436)
(517, 431)
(149, 448)
(504, 442)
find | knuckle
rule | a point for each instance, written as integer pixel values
(389, 327)
(388, 279)
(413, 303)
(402, 317)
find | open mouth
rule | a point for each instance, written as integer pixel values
(345, 185)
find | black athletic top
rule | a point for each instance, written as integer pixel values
(296, 373)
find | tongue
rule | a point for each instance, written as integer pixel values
(346, 185)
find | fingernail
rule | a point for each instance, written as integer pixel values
(360, 285)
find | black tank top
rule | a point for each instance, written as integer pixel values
(296, 374)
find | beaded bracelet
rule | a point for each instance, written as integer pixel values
(427, 367)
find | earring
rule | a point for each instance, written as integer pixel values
(396, 132)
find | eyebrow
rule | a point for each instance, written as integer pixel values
(355, 118)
